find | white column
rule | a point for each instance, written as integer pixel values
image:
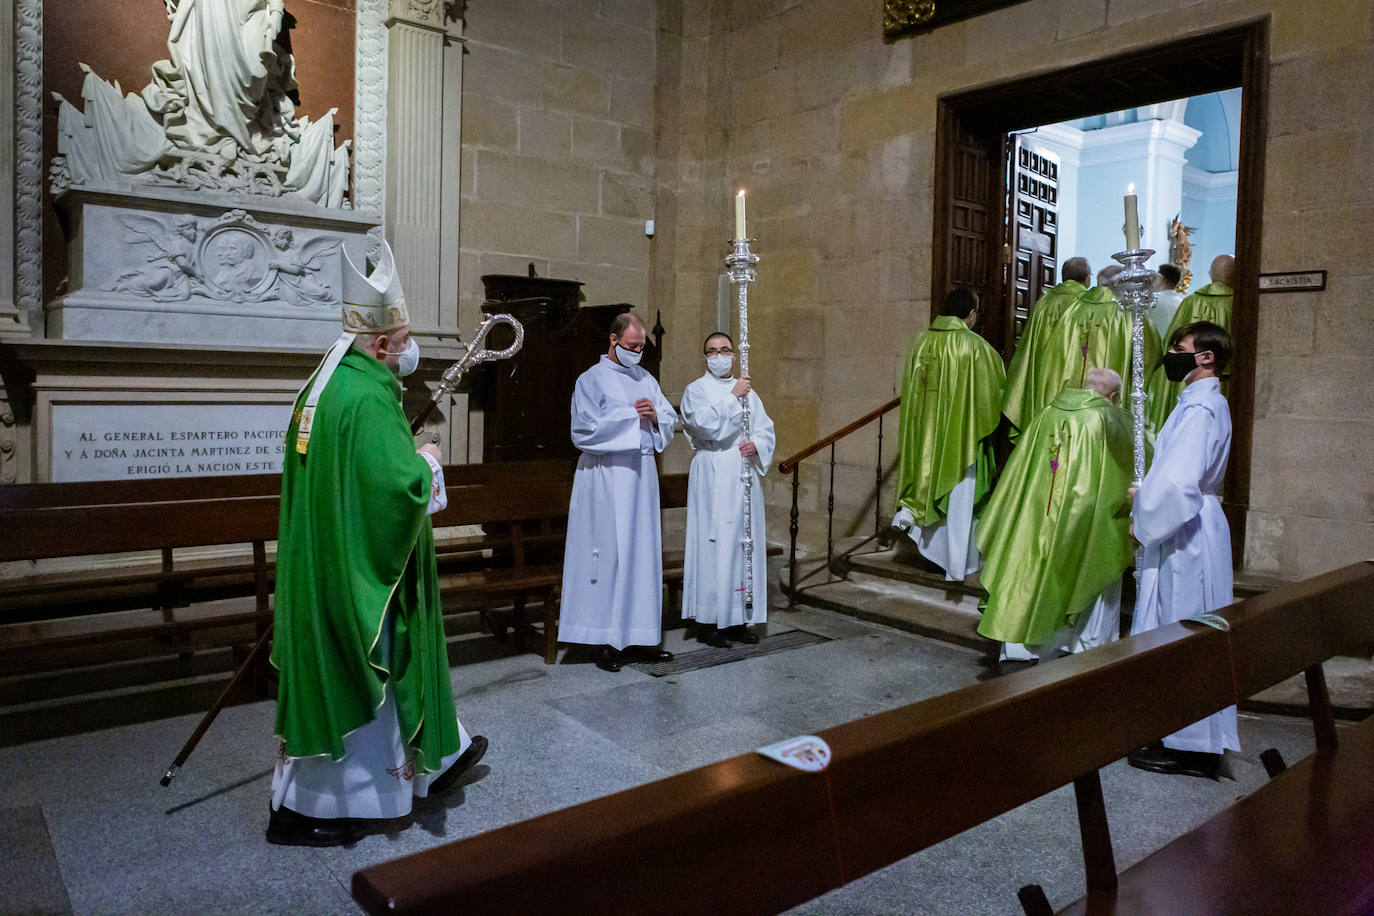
(414, 153)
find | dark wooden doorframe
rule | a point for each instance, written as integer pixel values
(1224, 58)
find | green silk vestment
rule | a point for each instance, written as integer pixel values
(1211, 303)
(1025, 385)
(951, 397)
(1056, 531)
(1093, 332)
(355, 539)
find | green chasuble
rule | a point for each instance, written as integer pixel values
(1056, 531)
(1025, 396)
(354, 540)
(1211, 303)
(951, 396)
(1094, 332)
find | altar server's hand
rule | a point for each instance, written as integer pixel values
(646, 410)
(748, 449)
(742, 387)
(432, 450)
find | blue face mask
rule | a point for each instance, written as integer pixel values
(409, 360)
(627, 357)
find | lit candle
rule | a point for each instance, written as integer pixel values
(1132, 220)
(739, 215)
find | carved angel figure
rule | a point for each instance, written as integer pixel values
(300, 274)
(170, 268)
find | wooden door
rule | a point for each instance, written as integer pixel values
(1033, 230)
(969, 216)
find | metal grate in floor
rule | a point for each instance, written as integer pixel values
(710, 657)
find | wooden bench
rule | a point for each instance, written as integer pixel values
(519, 504)
(763, 837)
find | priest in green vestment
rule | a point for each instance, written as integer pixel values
(1211, 303)
(1093, 331)
(1056, 532)
(1025, 395)
(365, 707)
(951, 398)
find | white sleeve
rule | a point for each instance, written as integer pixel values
(438, 495)
(718, 421)
(763, 436)
(667, 421)
(599, 428)
(1171, 493)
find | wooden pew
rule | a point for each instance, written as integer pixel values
(43, 521)
(764, 838)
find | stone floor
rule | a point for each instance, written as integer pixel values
(87, 828)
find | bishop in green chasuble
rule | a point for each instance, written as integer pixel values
(355, 541)
(951, 399)
(1056, 532)
(365, 706)
(1211, 303)
(1026, 376)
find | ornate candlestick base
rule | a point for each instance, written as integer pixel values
(1134, 288)
(740, 264)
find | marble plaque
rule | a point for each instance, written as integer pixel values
(131, 441)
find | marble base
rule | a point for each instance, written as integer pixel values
(155, 265)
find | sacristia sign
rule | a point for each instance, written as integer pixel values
(911, 17)
(133, 441)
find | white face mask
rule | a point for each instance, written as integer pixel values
(409, 359)
(720, 364)
(627, 357)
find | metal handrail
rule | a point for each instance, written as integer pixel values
(791, 465)
(788, 464)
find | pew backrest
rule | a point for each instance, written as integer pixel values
(764, 838)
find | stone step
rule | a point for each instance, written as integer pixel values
(934, 613)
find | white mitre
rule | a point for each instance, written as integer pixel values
(372, 304)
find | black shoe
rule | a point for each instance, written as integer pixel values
(743, 634)
(448, 780)
(650, 654)
(289, 828)
(608, 659)
(713, 637)
(1183, 763)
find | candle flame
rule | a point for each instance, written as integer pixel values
(741, 192)
(1130, 188)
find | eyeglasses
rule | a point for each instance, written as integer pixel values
(720, 351)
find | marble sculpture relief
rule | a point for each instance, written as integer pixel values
(217, 115)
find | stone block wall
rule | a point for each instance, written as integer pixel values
(558, 160)
(832, 132)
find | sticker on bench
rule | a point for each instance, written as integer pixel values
(1215, 621)
(805, 752)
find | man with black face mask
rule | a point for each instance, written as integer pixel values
(1186, 569)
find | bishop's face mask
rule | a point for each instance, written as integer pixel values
(409, 360)
(1178, 365)
(720, 364)
(627, 357)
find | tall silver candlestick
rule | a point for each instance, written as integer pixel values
(1134, 288)
(740, 263)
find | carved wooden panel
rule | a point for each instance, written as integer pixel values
(1034, 228)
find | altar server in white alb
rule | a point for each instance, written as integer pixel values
(713, 584)
(1177, 517)
(613, 561)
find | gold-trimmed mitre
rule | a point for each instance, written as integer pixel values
(373, 303)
